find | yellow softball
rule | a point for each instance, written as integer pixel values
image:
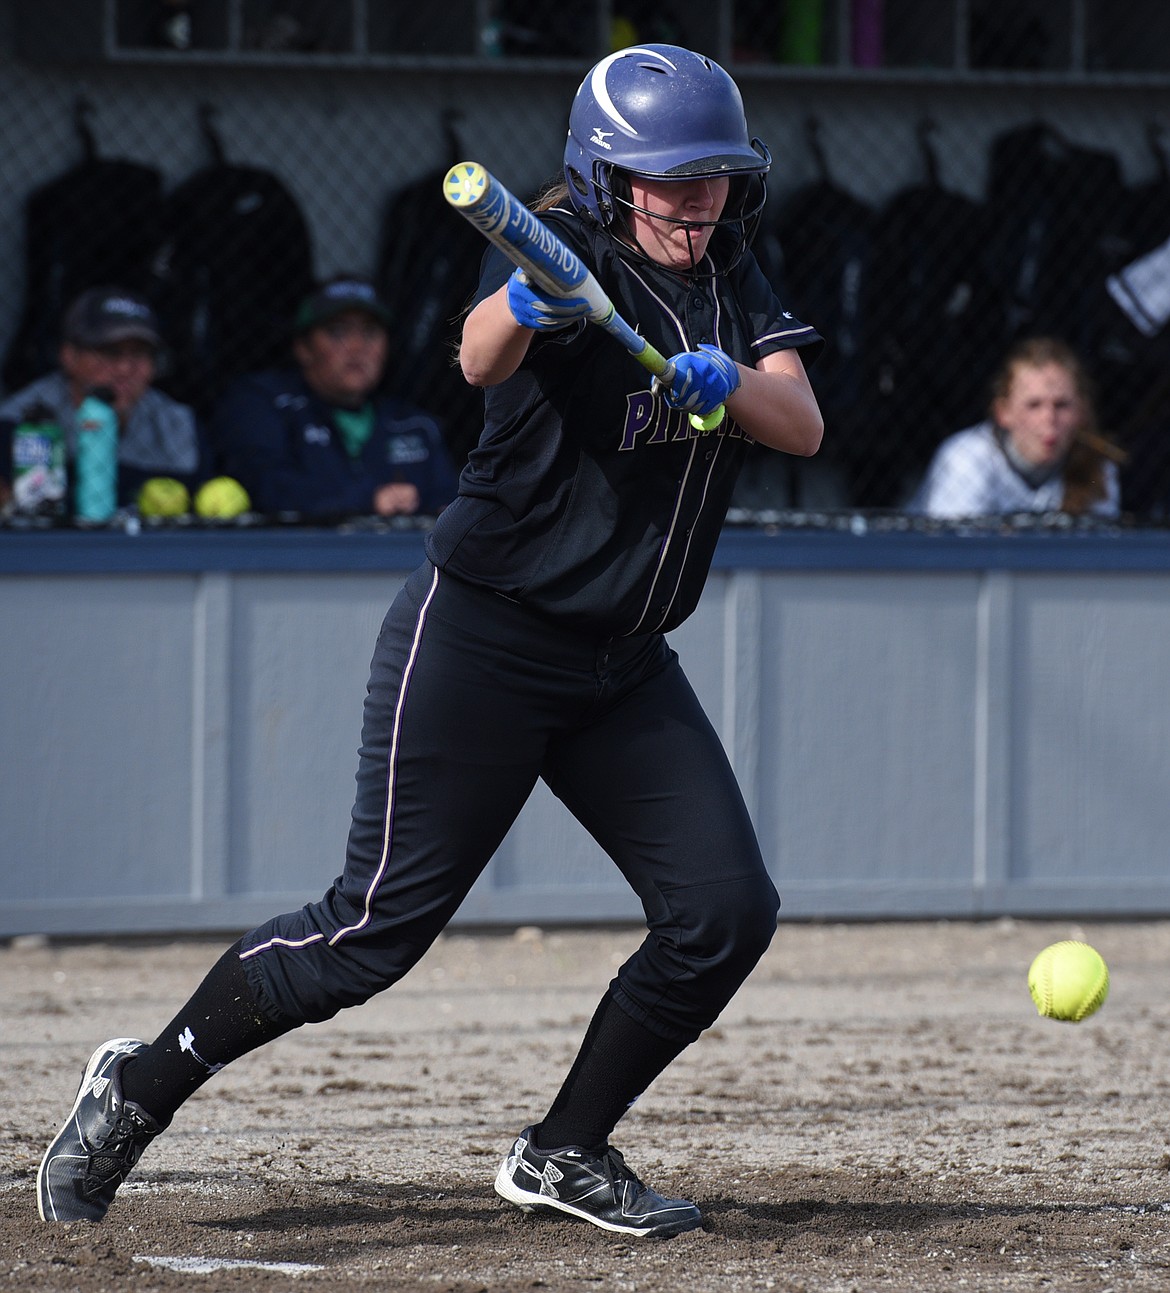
(1068, 981)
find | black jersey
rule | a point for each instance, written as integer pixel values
(588, 498)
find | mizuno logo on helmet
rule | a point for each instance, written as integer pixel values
(599, 137)
(601, 90)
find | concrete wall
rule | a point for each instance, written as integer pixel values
(923, 725)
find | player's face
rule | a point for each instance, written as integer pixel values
(1041, 412)
(125, 367)
(343, 358)
(663, 228)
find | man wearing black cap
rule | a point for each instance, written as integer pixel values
(110, 339)
(315, 440)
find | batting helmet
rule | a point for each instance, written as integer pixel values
(662, 112)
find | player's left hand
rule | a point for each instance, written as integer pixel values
(703, 379)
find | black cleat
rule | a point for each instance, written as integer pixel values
(595, 1186)
(102, 1139)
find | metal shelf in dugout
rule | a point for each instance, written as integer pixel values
(489, 29)
(966, 36)
(263, 30)
(263, 27)
(844, 38)
(62, 30)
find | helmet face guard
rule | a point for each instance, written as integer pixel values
(665, 113)
(734, 228)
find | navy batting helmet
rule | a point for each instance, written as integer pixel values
(661, 112)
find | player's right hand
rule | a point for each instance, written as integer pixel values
(542, 311)
(703, 379)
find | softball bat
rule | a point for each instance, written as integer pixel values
(529, 243)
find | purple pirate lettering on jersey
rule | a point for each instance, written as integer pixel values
(645, 412)
(640, 409)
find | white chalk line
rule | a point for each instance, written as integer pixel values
(212, 1265)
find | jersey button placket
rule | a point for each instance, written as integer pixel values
(700, 316)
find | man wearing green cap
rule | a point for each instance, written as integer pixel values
(317, 440)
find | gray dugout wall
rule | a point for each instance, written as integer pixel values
(924, 726)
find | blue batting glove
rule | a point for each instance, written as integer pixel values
(703, 379)
(539, 310)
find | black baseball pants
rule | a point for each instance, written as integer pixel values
(471, 699)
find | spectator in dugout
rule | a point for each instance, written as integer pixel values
(110, 339)
(1039, 450)
(317, 439)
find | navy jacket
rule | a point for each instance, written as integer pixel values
(279, 440)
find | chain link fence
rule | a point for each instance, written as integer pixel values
(946, 183)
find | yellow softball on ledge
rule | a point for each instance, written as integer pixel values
(1069, 981)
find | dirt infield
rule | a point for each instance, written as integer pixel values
(880, 1108)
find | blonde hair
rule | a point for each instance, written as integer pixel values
(555, 193)
(1084, 468)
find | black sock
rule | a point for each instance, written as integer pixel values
(221, 1022)
(618, 1060)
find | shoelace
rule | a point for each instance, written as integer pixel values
(616, 1168)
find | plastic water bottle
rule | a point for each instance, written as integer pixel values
(801, 32)
(38, 464)
(491, 39)
(95, 496)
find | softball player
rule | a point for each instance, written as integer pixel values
(530, 645)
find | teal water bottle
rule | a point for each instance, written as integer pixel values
(38, 464)
(95, 494)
